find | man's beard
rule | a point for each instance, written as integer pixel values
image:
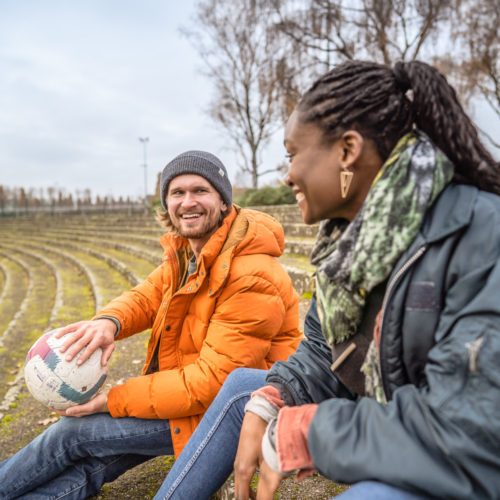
(209, 227)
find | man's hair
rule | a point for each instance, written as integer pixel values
(372, 98)
(162, 217)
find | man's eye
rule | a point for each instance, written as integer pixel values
(289, 156)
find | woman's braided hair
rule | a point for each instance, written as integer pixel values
(372, 98)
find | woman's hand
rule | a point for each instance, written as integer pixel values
(88, 335)
(269, 482)
(249, 454)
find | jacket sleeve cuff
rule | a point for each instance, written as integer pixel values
(265, 403)
(114, 320)
(291, 437)
(120, 403)
(262, 408)
(269, 453)
(271, 394)
(116, 403)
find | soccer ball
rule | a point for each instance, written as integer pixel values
(58, 383)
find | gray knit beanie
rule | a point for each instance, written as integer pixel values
(200, 163)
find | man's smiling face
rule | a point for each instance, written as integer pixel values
(195, 207)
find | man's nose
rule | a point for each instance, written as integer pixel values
(188, 200)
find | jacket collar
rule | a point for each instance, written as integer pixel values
(451, 212)
(172, 242)
(216, 255)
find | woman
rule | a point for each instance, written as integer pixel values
(396, 387)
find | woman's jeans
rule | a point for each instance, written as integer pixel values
(74, 457)
(207, 460)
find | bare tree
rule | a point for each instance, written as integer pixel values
(247, 61)
(478, 27)
(3, 199)
(261, 54)
(23, 199)
(87, 197)
(461, 37)
(330, 31)
(472, 61)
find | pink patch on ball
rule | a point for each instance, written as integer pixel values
(41, 348)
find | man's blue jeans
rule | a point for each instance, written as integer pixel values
(207, 460)
(74, 457)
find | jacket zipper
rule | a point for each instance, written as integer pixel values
(392, 283)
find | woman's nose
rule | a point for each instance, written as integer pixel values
(286, 181)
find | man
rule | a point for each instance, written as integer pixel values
(219, 300)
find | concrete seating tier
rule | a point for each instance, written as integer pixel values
(130, 233)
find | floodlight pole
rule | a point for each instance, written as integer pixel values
(145, 141)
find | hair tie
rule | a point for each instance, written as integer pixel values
(401, 78)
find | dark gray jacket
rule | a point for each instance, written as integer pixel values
(439, 434)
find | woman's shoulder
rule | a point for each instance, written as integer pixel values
(469, 216)
(462, 205)
(485, 209)
(479, 197)
(489, 202)
(476, 215)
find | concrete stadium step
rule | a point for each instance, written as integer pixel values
(284, 213)
(300, 230)
(299, 246)
(301, 271)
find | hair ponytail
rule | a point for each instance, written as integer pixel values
(373, 99)
(438, 113)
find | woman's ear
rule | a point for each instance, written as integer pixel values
(351, 143)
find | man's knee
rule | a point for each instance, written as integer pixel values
(65, 425)
(69, 429)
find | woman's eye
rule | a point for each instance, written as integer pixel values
(289, 156)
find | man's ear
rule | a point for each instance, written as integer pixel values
(351, 143)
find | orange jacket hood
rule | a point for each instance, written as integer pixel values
(243, 232)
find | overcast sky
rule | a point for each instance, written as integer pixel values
(82, 80)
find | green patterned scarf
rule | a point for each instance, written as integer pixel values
(352, 258)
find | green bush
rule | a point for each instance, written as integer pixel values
(281, 195)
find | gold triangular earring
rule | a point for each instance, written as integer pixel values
(345, 182)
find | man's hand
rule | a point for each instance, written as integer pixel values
(249, 454)
(98, 404)
(88, 335)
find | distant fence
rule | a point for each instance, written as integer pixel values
(132, 208)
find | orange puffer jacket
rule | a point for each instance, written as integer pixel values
(238, 309)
